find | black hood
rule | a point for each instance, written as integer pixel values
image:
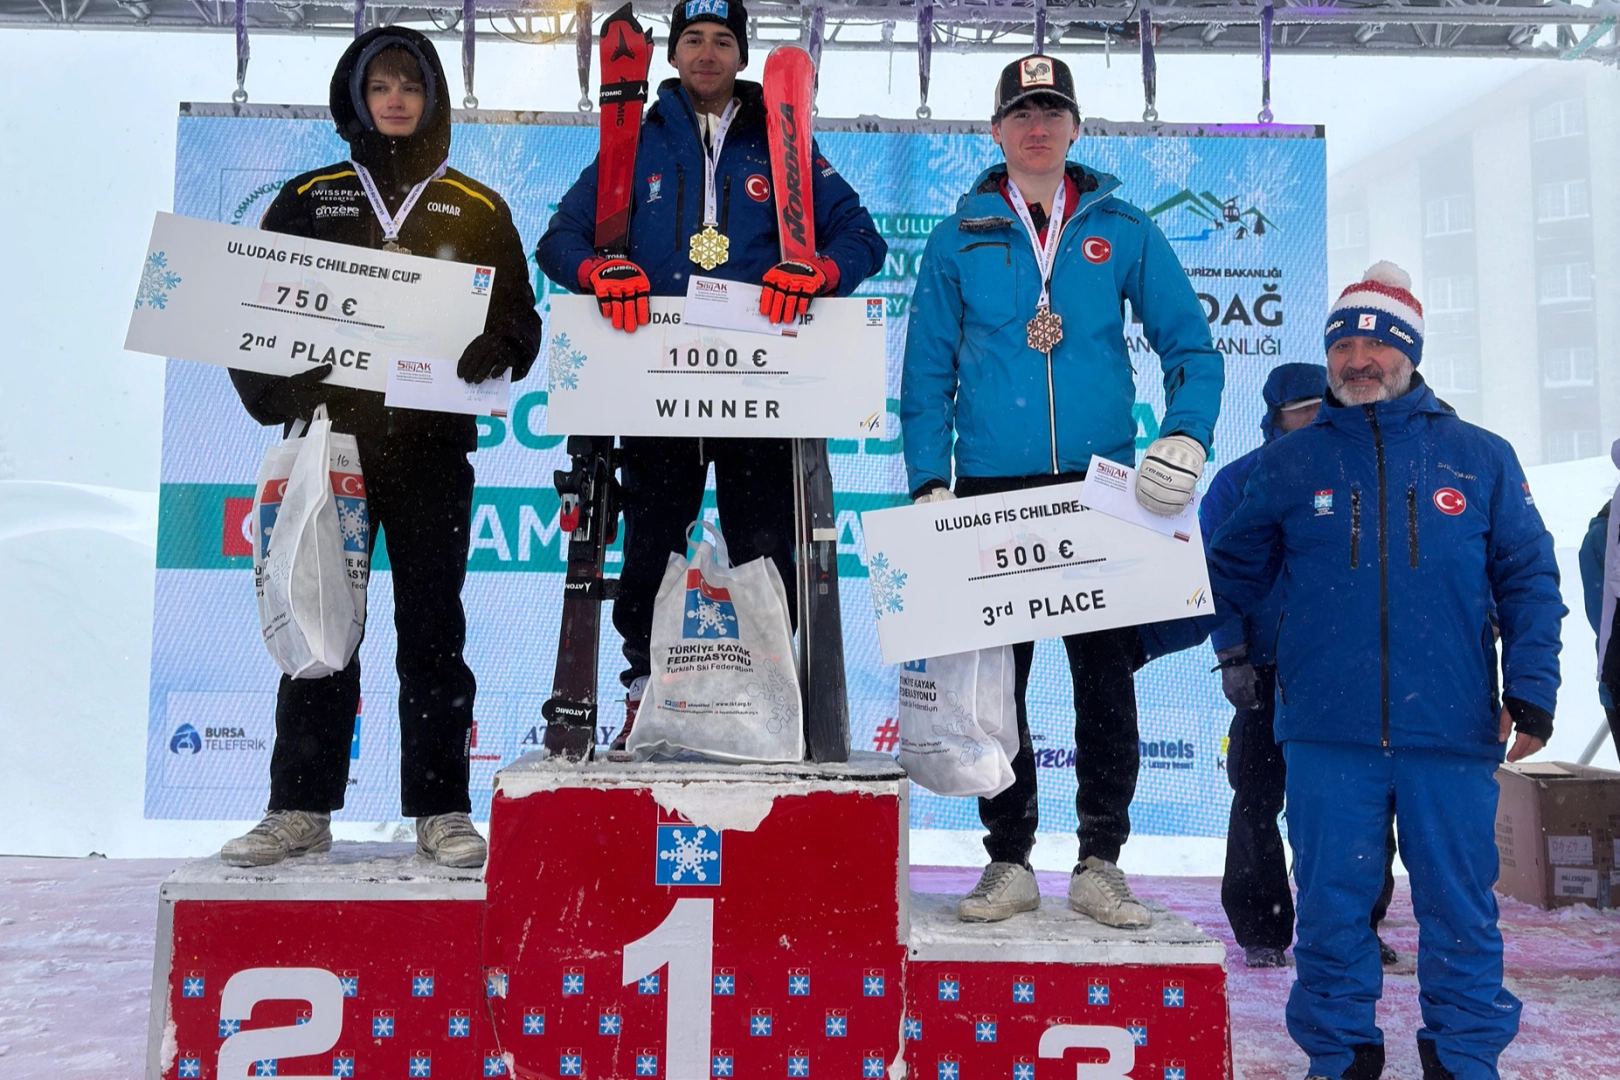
(393, 161)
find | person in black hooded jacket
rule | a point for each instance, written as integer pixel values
(392, 106)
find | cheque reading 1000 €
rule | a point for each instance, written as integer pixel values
(949, 577)
(272, 303)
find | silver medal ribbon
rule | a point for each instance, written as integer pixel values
(1045, 254)
(392, 223)
(711, 161)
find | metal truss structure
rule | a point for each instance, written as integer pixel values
(1547, 30)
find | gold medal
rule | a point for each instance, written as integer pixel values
(391, 246)
(1044, 331)
(709, 248)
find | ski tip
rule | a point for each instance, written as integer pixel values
(789, 56)
(623, 14)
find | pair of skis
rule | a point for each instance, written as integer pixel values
(589, 492)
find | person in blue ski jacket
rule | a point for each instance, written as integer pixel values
(975, 389)
(1402, 539)
(705, 108)
(1255, 893)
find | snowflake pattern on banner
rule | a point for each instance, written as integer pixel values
(562, 368)
(156, 282)
(1171, 160)
(685, 853)
(887, 584)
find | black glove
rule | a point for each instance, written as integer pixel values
(489, 356)
(295, 397)
(1238, 680)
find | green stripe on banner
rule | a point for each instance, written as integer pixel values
(514, 529)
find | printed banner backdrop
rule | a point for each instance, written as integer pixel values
(1243, 206)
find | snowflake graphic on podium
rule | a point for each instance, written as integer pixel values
(562, 371)
(156, 281)
(685, 853)
(887, 584)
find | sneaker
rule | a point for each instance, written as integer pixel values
(1386, 955)
(1264, 956)
(632, 705)
(1004, 889)
(281, 834)
(1099, 890)
(450, 840)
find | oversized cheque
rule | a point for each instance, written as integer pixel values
(952, 576)
(277, 304)
(676, 378)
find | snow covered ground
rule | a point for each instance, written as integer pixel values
(76, 942)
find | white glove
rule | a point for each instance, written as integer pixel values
(939, 494)
(1169, 473)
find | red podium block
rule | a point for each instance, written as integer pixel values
(691, 921)
(360, 963)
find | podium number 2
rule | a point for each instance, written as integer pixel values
(685, 942)
(319, 1034)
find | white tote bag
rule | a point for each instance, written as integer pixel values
(724, 681)
(311, 555)
(946, 705)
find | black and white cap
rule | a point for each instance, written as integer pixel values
(1031, 75)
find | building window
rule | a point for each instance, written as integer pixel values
(1449, 294)
(1450, 365)
(1561, 200)
(1566, 283)
(1448, 215)
(1559, 120)
(1347, 230)
(1575, 366)
(1571, 445)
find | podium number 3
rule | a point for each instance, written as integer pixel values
(1118, 1042)
(319, 1034)
(685, 942)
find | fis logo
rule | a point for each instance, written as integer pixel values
(655, 187)
(481, 280)
(1198, 599)
(185, 738)
(709, 611)
(1324, 503)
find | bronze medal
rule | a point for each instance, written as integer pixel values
(391, 246)
(709, 248)
(1044, 331)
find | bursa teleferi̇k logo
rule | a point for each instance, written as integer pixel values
(185, 737)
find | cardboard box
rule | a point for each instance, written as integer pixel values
(1558, 834)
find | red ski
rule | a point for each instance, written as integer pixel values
(589, 513)
(790, 81)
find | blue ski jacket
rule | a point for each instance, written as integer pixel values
(1393, 531)
(1287, 382)
(666, 204)
(969, 371)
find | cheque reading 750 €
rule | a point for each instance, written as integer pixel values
(278, 304)
(948, 577)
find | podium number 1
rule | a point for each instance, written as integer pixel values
(685, 942)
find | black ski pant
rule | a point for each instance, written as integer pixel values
(1106, 759)
(419, 493)
(1254, 888)
(663, 481)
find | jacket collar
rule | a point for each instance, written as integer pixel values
(1393, 416)
(983, 199)
(674, 106)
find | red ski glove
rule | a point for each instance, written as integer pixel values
(621, 289)
(790, 284)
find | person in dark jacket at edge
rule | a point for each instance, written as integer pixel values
(1395, 530)
(391, 105)
(1600, 585)
(702, 184)
(1254, 887)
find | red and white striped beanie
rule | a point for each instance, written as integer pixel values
(1380, 305)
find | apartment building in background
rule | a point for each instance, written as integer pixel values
(1507, 214)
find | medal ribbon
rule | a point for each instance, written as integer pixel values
(1045, 255)
(711, 161)
(391, 223)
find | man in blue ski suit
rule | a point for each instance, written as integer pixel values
(1397, 534)
(664, 478)
(1254, 887)
(1013, 417)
